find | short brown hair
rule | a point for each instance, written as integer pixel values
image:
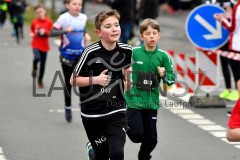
(67, 1)
(149, 22)
(105, 14)
(38, 6)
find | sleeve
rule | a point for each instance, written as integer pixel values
(32, 29)
(129, 60)
(82, 68)
(169, 78)
(231, 25)
(59, 23)
(234, 121)
(49, 28)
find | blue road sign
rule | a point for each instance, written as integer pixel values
(203, 30)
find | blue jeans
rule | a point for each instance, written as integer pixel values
(126, 28)
(39, 56)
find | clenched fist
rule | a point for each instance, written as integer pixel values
(161, 71)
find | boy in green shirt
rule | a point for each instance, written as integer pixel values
(150, 65)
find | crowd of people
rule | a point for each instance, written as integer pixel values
(118, 84)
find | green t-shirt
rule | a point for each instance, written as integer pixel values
(147, 62)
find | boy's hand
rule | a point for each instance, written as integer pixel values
(41, 31)
(161, 71)
(103, 79)
(127, 85)
(69, 29)
(218, 16)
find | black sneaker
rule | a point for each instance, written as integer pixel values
(34, 73)
(68, 115)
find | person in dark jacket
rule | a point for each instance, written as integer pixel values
(126, 10)
(149, 9)
(17, 9)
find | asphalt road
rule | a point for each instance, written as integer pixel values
(34, 128)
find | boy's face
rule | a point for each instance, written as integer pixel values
(109, 30)
(150, 37)
(74, 6)
(40, 13)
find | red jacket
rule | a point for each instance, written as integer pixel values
(41, 42)
(234, 121)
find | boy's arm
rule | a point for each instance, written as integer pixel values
(81, 81)
(169, 77)
(32, 30)
(56, 32)
(127, 78)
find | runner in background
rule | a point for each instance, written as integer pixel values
(234, 41)
(17, 10)
(71, 27)
(227, 64)
(40, 31)
(150, 66)
(233, 131)
(3, 12)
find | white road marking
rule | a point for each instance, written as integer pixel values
(191, 116)
(62, 110)
(2, 156)
(212, 127)
(207, 125)
(200, 121)
(219, 134)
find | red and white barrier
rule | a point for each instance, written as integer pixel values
(180, 68)
(191, 76)
(207, 65)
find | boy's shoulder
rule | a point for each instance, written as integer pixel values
(124, 46)
(92, 47)
(163, 52)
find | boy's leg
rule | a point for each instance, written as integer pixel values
(150, 134)
(135, 130)
(116, 138)
(43, 57)
(36, 59)
(67, 72)
(95, 131)
(226, 71)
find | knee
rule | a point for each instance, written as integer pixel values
(117, 154)
(151, 143)
(135, 137)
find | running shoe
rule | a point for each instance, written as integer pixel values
(90, 152)
(68, 114)
(233, 96)
(224, 94)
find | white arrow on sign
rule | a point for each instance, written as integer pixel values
(216, 33)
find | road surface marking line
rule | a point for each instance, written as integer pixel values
(185, 111)
(2, 157)
(219, 134)
(200, 121)
(191, 116)
(212, 127)
(225, 140)
(203, 123)
(62, 110)
(237, 146)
